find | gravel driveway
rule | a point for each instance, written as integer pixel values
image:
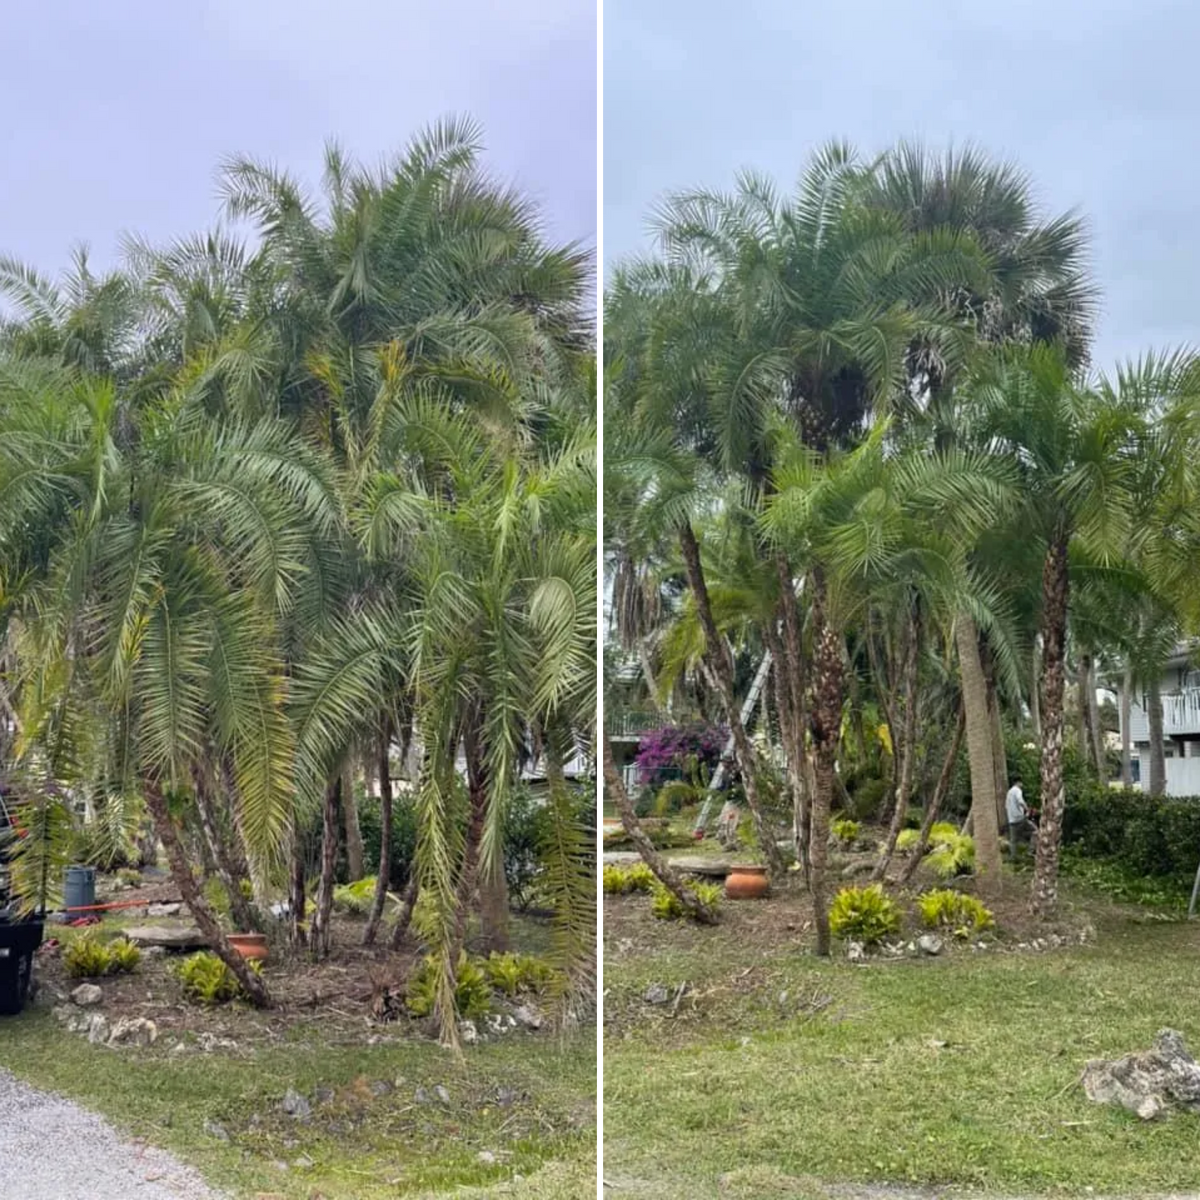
(51, 1149)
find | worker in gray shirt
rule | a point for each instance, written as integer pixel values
(1020, 827)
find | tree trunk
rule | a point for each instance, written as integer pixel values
(826, 726)
(941, 790)
(722, 670)
(206, 921)
(792, 740)
(792, 668)
(662, 708)
(906, 750)
(321, 933)
(1055, 596)
(408, 902)
(239, 906)
(1035, 708)
(999, 756)
(493, 907)
(1158, 758)
(355, 863)
(383, 871)
(1126, 743)
(296, 893)
(477, 792)
(1094, 719)
(981, 756)
(1085, 750)
(690, 903)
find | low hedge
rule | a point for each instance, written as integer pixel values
(1144, 834)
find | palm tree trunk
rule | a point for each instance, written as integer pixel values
(355, 863)
(1126, 742)
(999, 756)
(980, 754)
(1094, 717)
(383, 873)
(321, 933)
(648, 675)
(408, 902)
(206, 921)
(1035, 708)
(1085, 749)
(1158, 758)
(940, 791)
(1055, 596)
(826, 724)
(907, 747)
(722, 671)
(477, 792)
(298, 899)
(239, 906)
(792, 667)
(690, 903)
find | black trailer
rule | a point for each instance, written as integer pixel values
(20, 931)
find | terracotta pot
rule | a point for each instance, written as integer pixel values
(250, 945)
(746, 882)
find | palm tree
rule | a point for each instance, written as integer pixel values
(1077, 453)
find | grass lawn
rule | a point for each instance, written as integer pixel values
(358, 1145)
(775, 1074)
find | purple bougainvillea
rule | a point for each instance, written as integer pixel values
(691, 750)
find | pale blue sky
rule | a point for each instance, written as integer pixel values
(1097, 99)
(116, 114)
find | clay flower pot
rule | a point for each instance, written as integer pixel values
(746, 882)
(250, 945)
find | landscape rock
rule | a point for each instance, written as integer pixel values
(133, 1031)
(208, 1042)
(486, 1157)
(97, 1029)
(381, 1087)
(171, 937)
(87, 994)
(442, 1095)
(859, 867)
(1147, 1083)
(929, 943)
(323, 1095)
(856, 952)
(295, 1104)
(421, 1096)
(528, 1016)
(656, 993)
(163, 910)
(468, 1033)
(154, 952)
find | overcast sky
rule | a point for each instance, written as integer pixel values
(116, 114)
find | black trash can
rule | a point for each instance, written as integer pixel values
(19, 941)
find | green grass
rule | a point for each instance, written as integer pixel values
(362, 1147)
(960, 1070)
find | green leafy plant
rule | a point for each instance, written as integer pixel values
(618, 880)
(125, 955)
(863, 914)
(513, 973)
(665, 905)
(952, 855)
(206, 980)
(472, 993)
(907, 841)
(845, 830)
(86, 957)
(944, 908)
(130, 877)
(355, 898)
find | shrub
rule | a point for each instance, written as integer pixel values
(665, 905)
(941, 832)
(863, 914)
(679, 751)
(845, 830)
(637, 877)
(403, 840)
(472, 993)
(125, 955)
(130, 876)
(952, 855)
(355, 898)
(513, 973)
(675, 795)
(907, 841)
(947, 909)
(867, 797)
(86, 958)
(205, 979)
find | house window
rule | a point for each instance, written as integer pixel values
(1191, 679)
(1168, 752)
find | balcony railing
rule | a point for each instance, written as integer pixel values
(1181, 712)
(629, 723)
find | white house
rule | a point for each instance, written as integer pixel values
(1181, 726)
